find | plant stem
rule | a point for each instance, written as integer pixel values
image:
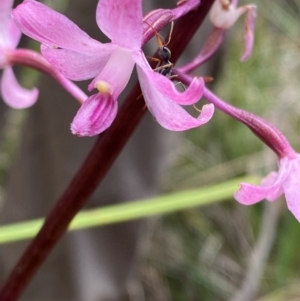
(93, 170)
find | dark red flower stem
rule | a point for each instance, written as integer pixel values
(93, 170)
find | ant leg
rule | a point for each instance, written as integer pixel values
(178, 82)
(198, 110)
(139, 97)
(182, 85)
(154, 59)
(172, 76)
(163, 67)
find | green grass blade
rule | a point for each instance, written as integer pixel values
(131, 210)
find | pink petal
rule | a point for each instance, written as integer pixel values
(167, 88)
(269, 180)
(14, 34)
(13, 94)
(52, 28)
(160, 17)
(75, 65)
(249, 32)
(9, 33)
(184, 8)
(271, 187)
(95, 115)
(3, 60)
(5, 10)
(212, 44)
(165, 110)
(234, 3)
(121, 21)
(116, 72)
(291, 188)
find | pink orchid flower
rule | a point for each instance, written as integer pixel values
(286, 180)
(80, 57)
(12, 93)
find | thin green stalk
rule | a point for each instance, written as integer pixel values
(132, 210)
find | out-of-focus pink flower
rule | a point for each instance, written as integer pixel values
(12, 93)
(224, 13)
(80, 57)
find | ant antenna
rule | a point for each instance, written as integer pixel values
(170, 34)
(160, 40)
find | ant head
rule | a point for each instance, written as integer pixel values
(165, 53)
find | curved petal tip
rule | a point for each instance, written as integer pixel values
(248, 194)
(13, 94)
(95, 115)
(249, 32)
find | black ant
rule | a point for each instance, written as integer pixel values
(164, 65)
(164, 52)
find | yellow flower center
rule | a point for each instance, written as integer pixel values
(103, 87)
